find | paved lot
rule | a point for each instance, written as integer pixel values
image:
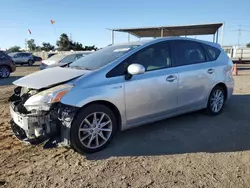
(193, 150)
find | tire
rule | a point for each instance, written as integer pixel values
(89, 133)
(4, 72)
(219, 101)
(30, 62)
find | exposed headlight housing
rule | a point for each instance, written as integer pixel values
(44, 99)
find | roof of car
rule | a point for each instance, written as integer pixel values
(141, 42)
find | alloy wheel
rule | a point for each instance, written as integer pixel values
(217, 100)
(4, 72)
(95, 130)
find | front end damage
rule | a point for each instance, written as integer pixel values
(38, 125)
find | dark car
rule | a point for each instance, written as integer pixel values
(37, 58)
(22, 58)
(7, 65)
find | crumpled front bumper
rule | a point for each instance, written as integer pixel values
(37, 128)
(30, 127)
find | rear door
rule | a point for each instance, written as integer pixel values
(17, 58)
(196, 74)
(24, 57)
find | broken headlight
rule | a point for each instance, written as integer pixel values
(44, 99)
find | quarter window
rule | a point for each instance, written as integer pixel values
(212, 51)
(188, 52)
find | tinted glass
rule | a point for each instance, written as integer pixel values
(188, 52)
(156, 56)
(102, 57)
(211, 51)
(25, 54)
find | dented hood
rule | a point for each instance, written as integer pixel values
(49, 77)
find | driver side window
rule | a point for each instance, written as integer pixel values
(154, 57)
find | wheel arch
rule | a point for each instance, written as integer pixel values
(111, 106)
(224, 87)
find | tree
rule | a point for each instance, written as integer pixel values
(64, 43)
(89, 48)
(14, 49)
(31, 45)
(47, 46)
(248, 45)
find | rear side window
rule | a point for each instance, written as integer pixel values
(212, 52)
(188, 52)
(3, 55)
(25, 54)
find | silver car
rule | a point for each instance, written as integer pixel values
(61, 60)
(120, 87)
(22, 58)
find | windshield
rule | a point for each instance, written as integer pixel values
(102, 57)
(57, 57)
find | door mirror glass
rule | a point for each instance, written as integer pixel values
(135, 69)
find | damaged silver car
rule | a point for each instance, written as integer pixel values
(120, 87)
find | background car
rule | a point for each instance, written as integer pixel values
(22, 58)
(51, 54)
(37, 58)
(61, 60)
(7, 65)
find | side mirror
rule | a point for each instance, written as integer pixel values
(135, 69)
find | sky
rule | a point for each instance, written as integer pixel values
(87, 21)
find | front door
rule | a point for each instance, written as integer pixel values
(152, 95)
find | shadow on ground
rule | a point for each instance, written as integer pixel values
(8, 81)
(195, 132)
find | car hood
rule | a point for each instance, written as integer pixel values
(49, 77)
(49, 62)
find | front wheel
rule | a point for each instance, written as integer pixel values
(216, 101)
(93, 128)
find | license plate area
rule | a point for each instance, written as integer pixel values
(20, 120)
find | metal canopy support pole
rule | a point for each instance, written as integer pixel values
(112, 37)
(217, 36)
(128, 37)
(213, 37)
(222, 34)
(162, 32)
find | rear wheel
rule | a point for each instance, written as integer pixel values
(30, 62)
(4, 72)
(216, 101)
(93, 128)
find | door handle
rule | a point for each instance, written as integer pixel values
(171, 78)
(210, 71)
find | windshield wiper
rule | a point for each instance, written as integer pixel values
(79, 67)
